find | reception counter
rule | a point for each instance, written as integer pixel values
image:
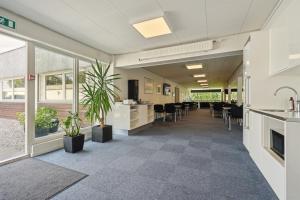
(129, 119)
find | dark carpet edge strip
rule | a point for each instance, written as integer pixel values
(65, 188)
(58, 166)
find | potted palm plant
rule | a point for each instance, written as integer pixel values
(99, 92)
(73, 140)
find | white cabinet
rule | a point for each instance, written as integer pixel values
(129, 117)
(246, 131)
(255, 142)
(285, 40)
(255, 136)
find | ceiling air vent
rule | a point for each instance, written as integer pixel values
(177, 50)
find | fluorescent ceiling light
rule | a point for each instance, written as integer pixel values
(202, 81)
(204, 84)
(199, 75)
(294, 56)
(153, 27)
(195, 66)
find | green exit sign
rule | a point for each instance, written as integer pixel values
(7, 22)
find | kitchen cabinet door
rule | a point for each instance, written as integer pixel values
(285, 40)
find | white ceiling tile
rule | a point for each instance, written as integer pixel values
(226, 17)
(137, 11)
(188, 22)
(258, 14)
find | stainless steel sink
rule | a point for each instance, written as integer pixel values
(274, 110)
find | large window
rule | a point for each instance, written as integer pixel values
(83, 68)
(69, 86)
(55, 88)
(206, 95)
(13, 89)
(13, 66)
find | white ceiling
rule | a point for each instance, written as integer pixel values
(218, 71)
(106, 24)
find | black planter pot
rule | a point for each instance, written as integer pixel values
(54, 126)
(102, 135)
(73, 144)
(40, 132)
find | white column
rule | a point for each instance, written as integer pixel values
(30, 99)
(75, 105)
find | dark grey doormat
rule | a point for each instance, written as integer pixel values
(35, 179)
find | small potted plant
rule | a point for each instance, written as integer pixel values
(46, 121)
(99, 92)
(73, 140)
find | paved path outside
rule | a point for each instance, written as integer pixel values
(12, 139)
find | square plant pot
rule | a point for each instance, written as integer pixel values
(40, 132)
(73, 144)
(102, 135)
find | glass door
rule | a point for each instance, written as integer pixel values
(13, 69)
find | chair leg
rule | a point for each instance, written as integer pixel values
(175, 117)
(229, 123)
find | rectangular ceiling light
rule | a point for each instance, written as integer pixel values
(195, 66)
(202, 81)
(153, 27)
(204, 84)
(199, 75)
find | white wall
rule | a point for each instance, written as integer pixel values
(139, 74)
(223, 46)
(236, 81)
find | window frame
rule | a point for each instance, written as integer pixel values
(75, 101)
(12, 90)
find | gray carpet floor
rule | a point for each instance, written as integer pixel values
(193, 159)
(33, 179)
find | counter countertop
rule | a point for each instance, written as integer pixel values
(138, 104)
(285, 116)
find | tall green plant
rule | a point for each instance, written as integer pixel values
(99, 92)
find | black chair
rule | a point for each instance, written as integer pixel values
(170, 110)
(236, 112)
(179, 109)
(186, 106)
(159, 110)
(204, 105)
(217, 109)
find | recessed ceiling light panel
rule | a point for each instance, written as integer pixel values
(194, 66)
(204, 84)
(153, 27)
(199, 75)
(202, 81)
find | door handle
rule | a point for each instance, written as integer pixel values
(248, 91)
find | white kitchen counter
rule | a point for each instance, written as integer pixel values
(284, 116)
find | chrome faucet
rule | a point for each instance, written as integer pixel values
(297, 107)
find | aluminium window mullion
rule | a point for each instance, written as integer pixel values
(75, 105)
